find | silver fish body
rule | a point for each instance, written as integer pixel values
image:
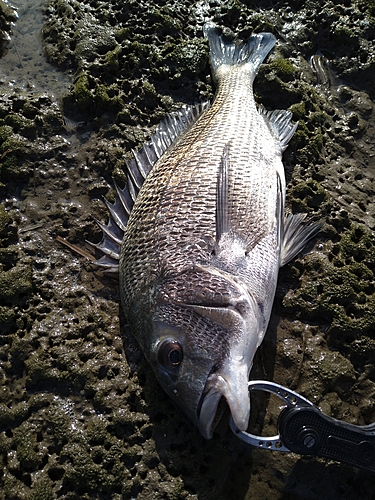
(204, 237)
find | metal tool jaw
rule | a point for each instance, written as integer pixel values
(305, 430)
(292, 399)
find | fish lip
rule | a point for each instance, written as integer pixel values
(207, 411)
(210, 408)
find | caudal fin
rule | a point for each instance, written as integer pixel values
(253, 52)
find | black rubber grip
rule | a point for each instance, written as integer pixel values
(307, 431)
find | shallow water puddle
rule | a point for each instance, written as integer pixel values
(25, 66)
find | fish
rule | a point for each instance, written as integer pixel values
(198, 234)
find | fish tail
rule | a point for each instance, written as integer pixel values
(252, 53)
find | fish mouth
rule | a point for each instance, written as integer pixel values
(218, 391)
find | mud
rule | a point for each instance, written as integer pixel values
(24, 65)
(81, 415)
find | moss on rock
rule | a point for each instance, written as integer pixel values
(15, 283)
(339, 289)
(103, 430)
(307, 196)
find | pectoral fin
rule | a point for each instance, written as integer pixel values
(296, 234)
(227, 235)
(222, 210)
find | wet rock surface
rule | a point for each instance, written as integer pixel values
(81, 415)
(8, 15)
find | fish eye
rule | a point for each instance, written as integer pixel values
(170, 353)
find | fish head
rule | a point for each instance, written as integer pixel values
(204, 334)
(181, 366)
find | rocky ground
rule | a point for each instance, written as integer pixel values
(81, 415)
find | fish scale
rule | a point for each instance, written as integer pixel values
(204, 235)
(187, 186)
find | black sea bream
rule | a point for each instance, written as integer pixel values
(198, 235)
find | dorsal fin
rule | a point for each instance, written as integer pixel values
(279, 121)
(169, 129)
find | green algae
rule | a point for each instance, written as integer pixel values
(8, 15)
(83, 95)
(97, 430)
(40, 368)
(103, 99)
(90, 98)
(122, 34)
(12, 291)
(340, 289)
(125, 116)
(344, 36)
(7, 317)
(8, 227)
(42, 488)
(358, 244)
(283, 68)
(15, 283)
(59, 423)
(155, 454)
(22, 125)
(7, 11)
(161, 18)
(273, 80)
(14, 489)
(298, 110)
(261, 23)
(111, 59)
(191, 56)
(309, 139)
(15, 415)
(307, 195)
(26, 446)
(333, 369)
(13, 148)
(21, 349)
(85, 469)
